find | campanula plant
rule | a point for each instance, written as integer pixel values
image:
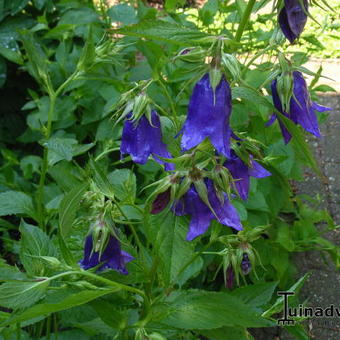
(127, 150)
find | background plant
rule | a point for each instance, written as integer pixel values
(68, 68)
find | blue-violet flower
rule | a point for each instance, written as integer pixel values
(208, 116)
(241, 173)
(302, 109)
(141, 139)
(111, 258)
(201, 214)
(293, 18)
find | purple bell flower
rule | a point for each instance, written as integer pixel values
(208, 116)
(293, 18)
(241, 173)
(112, 257)
(141, 139)
(201, 214)
(302, 109)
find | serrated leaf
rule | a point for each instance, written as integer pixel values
(21, 294)
(34, 243)
(251, 95)
(8, 272)
(70, 301)
(171, 246)
(101, 180)
(199, 309)
(256, 295)
(59, 149)
(68, 208)
(164, 31)
(15, 202)
(123, 182)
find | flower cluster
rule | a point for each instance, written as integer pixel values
(193, 189)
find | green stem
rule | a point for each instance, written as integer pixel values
(171, 102)
(40, 195)
(98, 278)
(245, 19)
(47, 133)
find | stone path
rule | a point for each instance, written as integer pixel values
(323, 287)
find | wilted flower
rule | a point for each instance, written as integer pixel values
(111, 258)
(241, 173)
(208, 116)
(141, 139)
(301, 110)
(201, 214)
(230, 276)
(161, 201)
(293, 18)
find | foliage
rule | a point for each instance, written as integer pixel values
(70, 71)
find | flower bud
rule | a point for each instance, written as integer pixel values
(245, 264)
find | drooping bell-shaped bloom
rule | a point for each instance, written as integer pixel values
(141, 139)
(241, 173)
(201, 214)
(301, 108)
(293, 18)
(208, 116)
(111, 258)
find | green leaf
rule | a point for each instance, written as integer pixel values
(59, 149)
(8, 272)
(124, 184)
(22, 294)
(164, 31)
(88, 53)
(34, 243)
(174, 251)
(70, 301)
(15, 202)
(37, 58)
(68, 208)
(208, 11)
(122, 13)
(255, 295)
(299, 331)
(278, 305)
(101, 180)
(284, 236)
(251, 95)
(199, 309)
(234, 333)
(117, 319)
